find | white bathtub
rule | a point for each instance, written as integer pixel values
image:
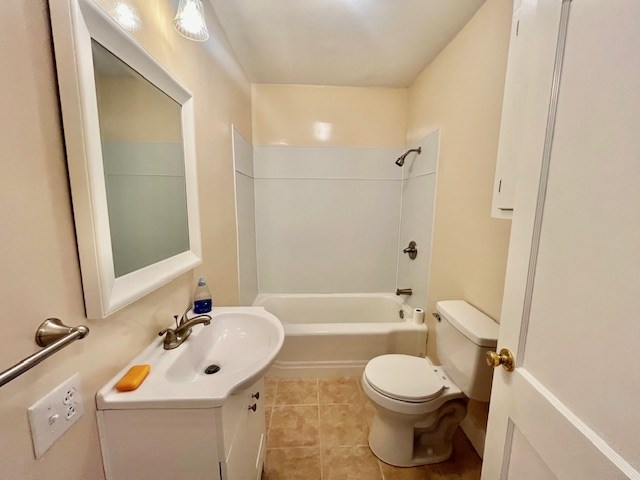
(337, 334)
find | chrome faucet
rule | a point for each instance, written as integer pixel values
(175, 337)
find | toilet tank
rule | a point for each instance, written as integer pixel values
(463, 335)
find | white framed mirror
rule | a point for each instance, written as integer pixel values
(129, 134)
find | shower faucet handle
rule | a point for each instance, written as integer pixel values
(411, 250)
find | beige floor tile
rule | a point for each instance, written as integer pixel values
(292, 464)
(427, 472)
(293, 426)
(339, 390)
(342, 430)
(349, 463)
(343, 425)
(297, 392)
(270, 385)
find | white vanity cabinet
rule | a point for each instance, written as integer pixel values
(529, 78)
(244, 434)
(219, 443)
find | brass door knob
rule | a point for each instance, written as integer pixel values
(504, 358)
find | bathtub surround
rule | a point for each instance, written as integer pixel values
(38, 242)
(336, 219)
(245, 219)
(416, 217)
(327, 219)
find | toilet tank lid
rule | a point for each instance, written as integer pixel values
(471, 322)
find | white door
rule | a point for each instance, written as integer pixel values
(571, 313)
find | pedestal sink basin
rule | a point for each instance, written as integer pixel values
(231, 353)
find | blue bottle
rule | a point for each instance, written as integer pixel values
(202, 298)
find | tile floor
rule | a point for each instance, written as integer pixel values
(317, 430)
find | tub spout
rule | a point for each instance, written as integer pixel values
(404, 291)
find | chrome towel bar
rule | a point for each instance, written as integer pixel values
(53, 335)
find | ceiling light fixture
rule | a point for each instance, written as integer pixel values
(189, 21)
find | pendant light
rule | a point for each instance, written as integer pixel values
(189, 20)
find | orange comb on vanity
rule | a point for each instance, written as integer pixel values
(133, 378)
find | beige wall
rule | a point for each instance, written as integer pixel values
(307, 115)
(40, 276)
(460, 92)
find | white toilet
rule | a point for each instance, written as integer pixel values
(419, 405)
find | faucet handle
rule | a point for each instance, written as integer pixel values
(184, 317)
(171, 340)
(171, 334)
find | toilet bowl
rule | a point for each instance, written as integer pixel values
(419, 405)
(414, 420)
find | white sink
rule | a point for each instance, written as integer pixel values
(242, 341)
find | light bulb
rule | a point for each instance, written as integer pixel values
(189, 20)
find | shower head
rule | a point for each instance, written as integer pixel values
(400, 160)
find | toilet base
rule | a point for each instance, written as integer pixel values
(411, 440)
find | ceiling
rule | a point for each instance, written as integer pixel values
(384, 43)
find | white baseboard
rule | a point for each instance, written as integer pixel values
(475, 433)
(317, 369)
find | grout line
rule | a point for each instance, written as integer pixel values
(380, 467)
(270, 422)
(271, 416)
(314, 447)
(275, 391)
(292, 447)
(349, 445)
(312, 404)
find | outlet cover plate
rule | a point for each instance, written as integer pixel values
(55, 413)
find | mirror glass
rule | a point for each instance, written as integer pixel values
(144, 168)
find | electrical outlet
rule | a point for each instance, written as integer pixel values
(54, 414)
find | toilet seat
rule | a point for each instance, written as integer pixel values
(404, 378)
